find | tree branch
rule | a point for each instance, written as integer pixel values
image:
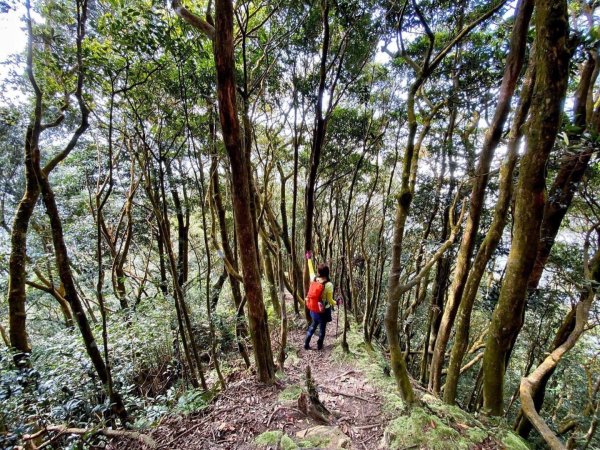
(197, 22)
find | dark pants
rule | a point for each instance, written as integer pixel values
(317, 320)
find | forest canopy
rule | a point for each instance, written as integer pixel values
(168, 168)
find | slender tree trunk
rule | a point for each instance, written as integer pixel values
(298, 282)
(380, 262)
(17, 275)
(161, 259)
(213, 342)
(223, 51)
(241, 331)
(284, 321)
(529, 383)
(404, 200)
(269, 272)
(66, 276)
(118, 271)
(317, 141)
(183, 217)
(552, 58)
(157, 197)
(538, 392)
(490, 242)
(4, 335)
(511, 75)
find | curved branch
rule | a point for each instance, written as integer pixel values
(197, 22)
(530, 383)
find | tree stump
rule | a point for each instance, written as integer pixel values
(309, 402)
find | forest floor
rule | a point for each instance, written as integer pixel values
(366, 410)
(247, 408)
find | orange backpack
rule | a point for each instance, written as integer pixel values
(314, 297)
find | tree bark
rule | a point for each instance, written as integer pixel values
(405, 196)
(270, 274)
(222, 36)
(490, 242)
(571, 171)
(529, 384)
(317, 142)
(18, 255)
(66, 276)
(223, 51)
(560, 197)
(512, 71)
(241, 331)
(552, 58)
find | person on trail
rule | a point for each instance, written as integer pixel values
(319, 301)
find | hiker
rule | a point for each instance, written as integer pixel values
(319, 301)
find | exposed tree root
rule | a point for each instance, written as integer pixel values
(61, 429)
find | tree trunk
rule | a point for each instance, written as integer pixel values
(241, 331)
(4, 335)
(492, 138)
(490, 242)
(269, 272)
(18, 253)
(552, 58)
(538, 376)
(284, 320)
(223, 51)
(183, 223)
(560, 197)
(571, 170)
(538, 392)
(317, 142)
(66, 277)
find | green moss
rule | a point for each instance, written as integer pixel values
(269, 438)
(290, 393)
(420, 429)
(287, 443)
(476, 435)
(452, 413)
(434, 426)
(512, 441)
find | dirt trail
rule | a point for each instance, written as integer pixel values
(248, 408)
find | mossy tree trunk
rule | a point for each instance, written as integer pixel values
(529, 384)
(405, 196)
(552, 60)
(490, 242)
(572, 168)
(270, 275)
(17, 275)
(492, 138)
(560, 197)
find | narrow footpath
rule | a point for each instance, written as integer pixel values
(251, 415)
